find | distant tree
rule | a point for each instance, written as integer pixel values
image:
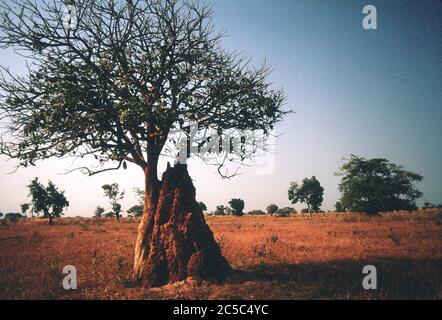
(272, 209)
(140, 194)
(237, 206)
(203, 206)
(99, 211)
(429, 205)
(24, 207)
(220, 210)
(310, 192)
(47, 200)
(1, 214)
(287, 210)
(377, 185)
(112, 192)
(339, 207)
(136, 211)
(256, 213)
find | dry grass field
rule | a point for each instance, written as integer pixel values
(274, 258)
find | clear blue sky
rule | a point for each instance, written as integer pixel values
(371, 93)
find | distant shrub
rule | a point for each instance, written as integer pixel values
(429, 205)
(287, 210)
(256, 213)
(272, 208)
(281, 214)
(98, 211)
(12, 216)
(136, 211)
(220, 210)
(305, 210)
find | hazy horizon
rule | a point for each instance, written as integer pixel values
(371, 93)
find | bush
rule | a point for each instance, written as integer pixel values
(98, 211)
(272, 208)
(136, 211)
(256, 213)
(281, 214)
(220, 210)
(305, 210)
(287, 210)
(12, 216)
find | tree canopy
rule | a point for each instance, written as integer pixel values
(377, 185)
(48, 200)
(113, 193)
(310, 192)
(237, 206)
(119, 80)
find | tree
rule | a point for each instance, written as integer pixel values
(112, 191)
(272, 209)
(339, 207)
(377, 185)
(220, 210)
(203, 206)
(136, 210)
(310, 192)
(99, 211)
(118, 81)
(237, 206)
(48, 200)
(24, 207)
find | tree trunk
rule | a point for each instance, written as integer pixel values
(174, 241)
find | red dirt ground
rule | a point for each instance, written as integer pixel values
(274, 258)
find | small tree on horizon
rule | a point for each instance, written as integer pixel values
(48, 200)
(135, 211)
(272, 209)
(310, 192)
(24, 207)
(237, 206)
(99, 211)
(220, 210)
(112, 192)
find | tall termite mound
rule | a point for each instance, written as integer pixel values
(174, 241)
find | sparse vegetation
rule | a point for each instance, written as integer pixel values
(290, 258)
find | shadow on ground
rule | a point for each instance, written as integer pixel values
(398, 278)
